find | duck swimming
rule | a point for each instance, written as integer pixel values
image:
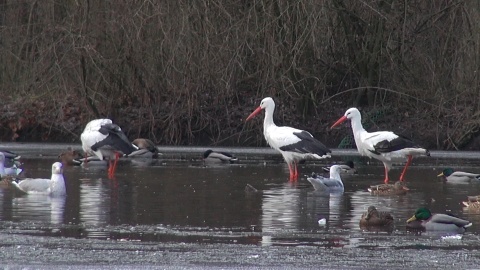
(472, 203)
(423, 219)
(145, 148)
(399, 188)
(349, 168)
(8, 171)
(374, 218)
(211, 155)
(453, 176)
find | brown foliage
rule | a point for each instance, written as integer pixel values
(189, 72)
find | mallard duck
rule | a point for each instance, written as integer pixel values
(210, 155)
(456, 176)
(4, 171)
(11, 158)
(332, 184)
(423, 219)
(55, 186)
(399, 188)
(472, 203)
(70, 157)
(145, 149)
(349, 168)
(374, 218)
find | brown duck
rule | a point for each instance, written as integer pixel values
(144, 148)
(472, 203)
(374, 218)
(399, 188)
(70, 157)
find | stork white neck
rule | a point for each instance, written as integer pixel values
(268, 120)
(356, 123)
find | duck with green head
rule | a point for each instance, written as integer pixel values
(423, 219)
(453, 176)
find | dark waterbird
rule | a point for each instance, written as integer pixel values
(453, 176)
(399, 188)
(211, 155)
(145, 148)
(375, 218)
(348, 168)
(423, 219)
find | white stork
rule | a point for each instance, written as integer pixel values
(385, 146)
(294, 144)
(107, 141)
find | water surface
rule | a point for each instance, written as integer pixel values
(184, 213)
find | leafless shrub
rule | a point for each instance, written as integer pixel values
(188, 72)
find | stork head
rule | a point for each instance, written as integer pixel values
(352, 113)
(266, 104)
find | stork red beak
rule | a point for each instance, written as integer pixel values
(257, 111)
(339, 121)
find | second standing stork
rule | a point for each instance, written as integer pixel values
(294, 144)
(385, 146)
(106, 140)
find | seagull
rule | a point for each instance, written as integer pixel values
(106, 140)
(385, 146)
(332, 184)
(294, 144)
(55, 186)
(457, 176)
(8, 171)
(211, 155)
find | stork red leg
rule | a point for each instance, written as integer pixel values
(109, 169)
(409, 160)
(291, 170)
(295, 172)
(386, 175)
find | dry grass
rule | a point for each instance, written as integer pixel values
(183, 72)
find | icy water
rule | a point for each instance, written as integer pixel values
(177, 212)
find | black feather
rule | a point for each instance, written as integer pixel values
(396, 144)
(307, 144)
(115, 139)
